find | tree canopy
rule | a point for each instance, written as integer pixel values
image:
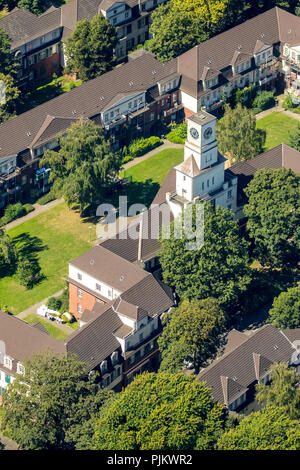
(282, 391)
(35, 6)
(174, 31)
(55, 395)
(268, 429)
(84, 166)
(238, 138)
(8, 254)
(208, 12)
(160, 411)
(12, 93)
(90, 48)
(294, 140)
(220, 268)
(285, 311)
(190, 333)
(274, 216)
(6, 58)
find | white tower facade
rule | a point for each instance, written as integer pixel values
(201, 176)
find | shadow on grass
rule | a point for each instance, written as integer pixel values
(136, 192)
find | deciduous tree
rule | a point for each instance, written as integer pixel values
(294, 140)
(238, 138)
(173, 31)
(46, 407)
(160, 412)
(8, 104)
(273, 216)
(285, 311)
(6, 57)
(84, 166)
(268, 429)
(283, 391)
(190, 333)
(220, 268)
(90, 48)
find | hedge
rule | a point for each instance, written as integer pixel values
(46, 198)
(141, 146)
(178, 134)
(15, 211)
(264, 100)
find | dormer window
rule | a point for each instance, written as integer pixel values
(20, 368)
(114, 358)
(103, 367)
(8, 362)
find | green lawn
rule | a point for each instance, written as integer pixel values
(55, 237)
(57, 333)
(278, 127)
(156, 167)
(147, 176)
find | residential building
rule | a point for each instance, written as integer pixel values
(119, 306)
(37, 41)
(143, 92)
(18, 341)
(291, 69)
(246, 361)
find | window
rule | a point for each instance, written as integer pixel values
(207, 183)
(7, 378)
(141, 337)
(109, 293)
(229, 194)
(152, 116)
(203, 186)
(213, 180)
(20, 368)
(129, 29)
(105, 117)
(184, 178)
(79, 276)
(98, 287)
(8, 362)
(79, 308)
(79, 293)
(24, 180)
(137, 356)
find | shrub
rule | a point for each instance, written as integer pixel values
(46, 198)
(54, 303)
(28, 272)
(28, 208)
(14, 211)
(264, 100)
(141, 146)
(127, 159)
(178, 134)
(296, 110)
(288, 103)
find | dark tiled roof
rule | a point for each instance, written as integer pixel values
(22, 340)
(98, 309)
(126, 243)
(85, 100)
(292, 334)
(95, 341)
(51, 127)
(23, 26)
(129, 310)
(123, 331)
(281, 156)
(268, 344)
(110, 268)
(217, 53)
(169, 185)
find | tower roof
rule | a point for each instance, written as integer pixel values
(189, 167)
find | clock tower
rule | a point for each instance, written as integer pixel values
(201, 140)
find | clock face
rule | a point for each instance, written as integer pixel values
(207, 133)
(194, 133)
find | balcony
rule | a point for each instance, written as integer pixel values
(215, 105)
(120, 119)
(292, 63)
(12, 173)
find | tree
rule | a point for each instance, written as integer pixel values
(237, 136)
(47, 405)
(208, 12)
(174, 31)
(268, 429)
(35, 6)
(90, 48)
(220, 268)
(283, 391)
(273, 216)
(8, 254)
(285, 311)
(8, 104)
(28, 272)
(6, 57)
(193, 328)
(160, 412)
(84, 166)
(294, 139)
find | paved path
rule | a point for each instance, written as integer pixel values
(34, 308)
(38, 209)
(8, 443)
(166, 145)
(277, 109)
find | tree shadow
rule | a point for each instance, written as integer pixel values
(28, 246)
